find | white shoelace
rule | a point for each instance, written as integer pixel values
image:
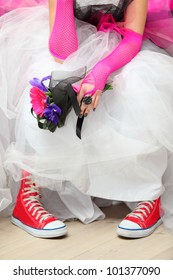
(142, 210)
(34, 201)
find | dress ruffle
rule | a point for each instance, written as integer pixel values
(5, 192)
(9, 5)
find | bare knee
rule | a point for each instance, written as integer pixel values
(58, 60)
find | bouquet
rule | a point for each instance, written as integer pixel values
(51, 104)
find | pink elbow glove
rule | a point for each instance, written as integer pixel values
(63, 39)
(121, 55)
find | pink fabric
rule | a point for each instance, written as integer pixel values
(8, 5)
(63, 39)
(171, 4)
(159, 25)
(121, 55)
(158, 5)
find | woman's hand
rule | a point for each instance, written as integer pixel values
(85, 109)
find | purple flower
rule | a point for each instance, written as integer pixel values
(52, 112)
(35, 82)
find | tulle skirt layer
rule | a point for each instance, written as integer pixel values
(8, 5)
(5, 196)
(127, 143)
(5, 192)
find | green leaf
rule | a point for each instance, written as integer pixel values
(48, 93)
(60, 124)
(108, 87)
(32, 112)
(40, 125)
(51, 126)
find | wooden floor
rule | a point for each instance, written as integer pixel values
(96, 241)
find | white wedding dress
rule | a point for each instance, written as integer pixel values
(126, 149)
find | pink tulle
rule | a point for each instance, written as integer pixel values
(8, 5)
(159, 25)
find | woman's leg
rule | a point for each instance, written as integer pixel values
(63, 37)
(146, 214)
(29, 214)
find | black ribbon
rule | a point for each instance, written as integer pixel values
(72, 95)
(79, 126)
(65, 97)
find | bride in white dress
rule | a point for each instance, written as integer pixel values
(125, 153)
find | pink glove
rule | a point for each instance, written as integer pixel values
(121, 55)
(63, 39)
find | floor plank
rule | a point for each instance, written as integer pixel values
(95, 241)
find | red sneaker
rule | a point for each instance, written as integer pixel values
(30, 215)
(142, 221)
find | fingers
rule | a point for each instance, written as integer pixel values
(80, 94)
(86, 108)
(85, 88)
(97, 99)
(85, 92)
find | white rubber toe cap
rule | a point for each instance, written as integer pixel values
(51, 230)
(126, 224)
(55, 225)
(132, 230)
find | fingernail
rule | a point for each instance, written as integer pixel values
(94, 109)
(86, 115)
(80, 116)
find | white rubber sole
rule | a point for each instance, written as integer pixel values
(42, 233)
(137, 233)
